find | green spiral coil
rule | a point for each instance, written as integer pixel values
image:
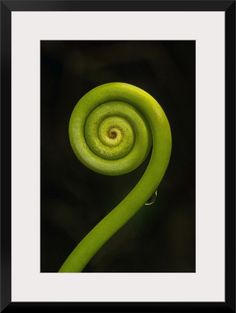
(112, 129)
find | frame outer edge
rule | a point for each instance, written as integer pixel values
(230, 156)
(5, 132)
(5, 129)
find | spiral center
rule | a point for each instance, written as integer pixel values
(112, 134)
(115, 132)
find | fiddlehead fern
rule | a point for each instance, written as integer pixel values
(112, 129)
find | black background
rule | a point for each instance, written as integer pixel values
(161, 237)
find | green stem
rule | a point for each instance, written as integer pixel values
(111, 130)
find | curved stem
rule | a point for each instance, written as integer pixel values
(161, 149)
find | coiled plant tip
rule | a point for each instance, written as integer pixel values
(111, 130)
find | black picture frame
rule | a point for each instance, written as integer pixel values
(7, 7)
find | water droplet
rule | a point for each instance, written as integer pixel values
(152, 199)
